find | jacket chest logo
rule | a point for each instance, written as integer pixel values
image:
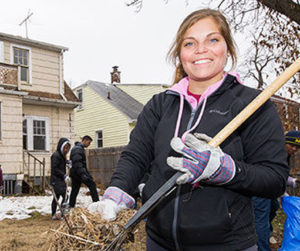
(222, 113)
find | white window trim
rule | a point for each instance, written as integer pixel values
(79, 107)
(96, 138)
(1, 52)
(30, 131)
(29, 58)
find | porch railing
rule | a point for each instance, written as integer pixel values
(34, 171)
(8, 74)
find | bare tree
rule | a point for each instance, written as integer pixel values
(275, 43)
(289, 8)
(258, 60)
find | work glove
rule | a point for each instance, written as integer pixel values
(140, 188)
(69, 163)
(200, 161)
(112, 202)
(67, 179)
(292, 182)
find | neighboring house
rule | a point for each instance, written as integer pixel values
(36, 107)
(109, 111)
(289, 112)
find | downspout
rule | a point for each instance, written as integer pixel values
(61, 76)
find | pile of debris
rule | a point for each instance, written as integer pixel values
(91, 232)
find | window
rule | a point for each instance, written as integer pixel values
(80, 97)
(39, 135)
(99, 139)
(36, 133)
(25, 134)
(21, 57)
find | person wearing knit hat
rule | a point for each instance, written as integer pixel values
(292, 143)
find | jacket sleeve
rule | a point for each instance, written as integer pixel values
(264, 170)
(57, 171)
(138, 154)
(77, 157)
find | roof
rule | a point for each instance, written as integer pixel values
(38, 97)
(118, 98)
(48, 98)
(284, 100)
(30, 42)
(141, 84)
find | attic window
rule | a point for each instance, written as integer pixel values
(80, 97)
(21, 57)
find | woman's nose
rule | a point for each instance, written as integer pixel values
(201, 47)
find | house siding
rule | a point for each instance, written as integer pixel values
(142, 93)
(11, 151)
(98, 114)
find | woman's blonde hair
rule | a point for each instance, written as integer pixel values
(174, 52)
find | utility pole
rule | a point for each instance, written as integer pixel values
(25, 21)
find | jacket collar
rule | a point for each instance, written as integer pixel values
(182, 86)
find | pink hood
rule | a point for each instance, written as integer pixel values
(182, 86)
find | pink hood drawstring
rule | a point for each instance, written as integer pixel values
(181, 88)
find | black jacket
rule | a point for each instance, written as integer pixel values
(209, 217)
(58, 168)
(79, 168)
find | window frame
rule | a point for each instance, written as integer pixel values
(25, 144)
(79, 107)
(97, 138)
(30, 134)
(12, 46)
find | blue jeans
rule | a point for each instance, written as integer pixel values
(261, 208)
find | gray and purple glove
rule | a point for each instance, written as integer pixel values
(200, 161)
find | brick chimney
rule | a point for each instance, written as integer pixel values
(115, 75)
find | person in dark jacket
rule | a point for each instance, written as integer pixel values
(292, 144)
(79, 173)
(58, 177)
(265, 209)
(211, 208)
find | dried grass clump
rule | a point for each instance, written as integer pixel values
(97, 232)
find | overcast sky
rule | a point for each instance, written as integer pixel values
(103, 33)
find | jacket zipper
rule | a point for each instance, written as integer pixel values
(176, 202)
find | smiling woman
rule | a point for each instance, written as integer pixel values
(211, 208)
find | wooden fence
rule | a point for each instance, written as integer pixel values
(102, 162)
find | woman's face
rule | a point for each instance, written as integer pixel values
(204, 52)
(66, 149)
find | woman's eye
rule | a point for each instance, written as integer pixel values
(188, 44)
(213, 40)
